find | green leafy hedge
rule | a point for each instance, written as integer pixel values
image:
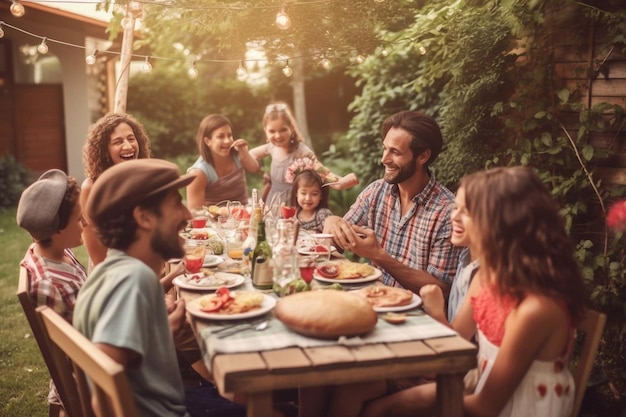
(14, 177)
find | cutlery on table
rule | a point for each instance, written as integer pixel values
(247, 326)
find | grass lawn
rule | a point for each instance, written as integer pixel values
(23, 373)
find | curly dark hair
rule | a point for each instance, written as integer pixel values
(96, 157)
(522, 236)
(70, 198)
(119, 232)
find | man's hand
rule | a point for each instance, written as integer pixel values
(366, 243)
(342, 232)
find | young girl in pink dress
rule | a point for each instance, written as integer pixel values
(522, 306)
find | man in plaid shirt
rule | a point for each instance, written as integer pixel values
(401, 223)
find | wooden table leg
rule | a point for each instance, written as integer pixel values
(450, 395)
(259, 404)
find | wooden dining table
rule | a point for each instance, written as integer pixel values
(258, 373)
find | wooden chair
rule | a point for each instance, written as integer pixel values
(67, 392)
(73, 351)
(592, 325)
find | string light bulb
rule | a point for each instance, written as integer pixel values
(287, 71)
(134, 6)
(242, 72)
(422, 50)
(384, 51)
(91, 59)
(192, 72)
(283, 21)
(359, 59)
(325, 63)
(17, 8)
(1, 31)
(146, 67)
(42, 48)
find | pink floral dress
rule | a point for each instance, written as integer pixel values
(546, 390)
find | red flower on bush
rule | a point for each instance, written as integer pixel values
(616, 218)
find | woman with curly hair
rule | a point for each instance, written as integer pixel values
(114, 138)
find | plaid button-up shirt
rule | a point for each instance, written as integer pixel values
(54, 284)
(421, 238)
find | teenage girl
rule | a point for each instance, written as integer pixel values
(522, 305)
(310, 200)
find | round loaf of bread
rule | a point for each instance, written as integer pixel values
(326, 314)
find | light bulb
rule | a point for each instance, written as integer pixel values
(146, 66)
(287, 71)
(325, 62)
(1, 32)
(135, 6)
(42, 48)
(384, 52)
(17, 8)
(193, 71)
(359, 59)
(422, 50)
(241, 72)
(91, 59)
(282, 19)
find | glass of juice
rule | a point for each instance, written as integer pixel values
(199, 219)
(307, 263)
(194, 255)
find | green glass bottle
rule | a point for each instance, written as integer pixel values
(261, 256)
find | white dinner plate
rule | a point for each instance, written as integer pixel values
(268, 303)
(212, 260)
(416, 301)
(210, 283)
(371, 277)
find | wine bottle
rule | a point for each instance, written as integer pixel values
(261, 256)
(253, 225)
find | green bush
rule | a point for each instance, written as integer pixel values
(14, 177)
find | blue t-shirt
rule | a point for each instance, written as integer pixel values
(122, 304)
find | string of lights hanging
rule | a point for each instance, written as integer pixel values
(283, 22)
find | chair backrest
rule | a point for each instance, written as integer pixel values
(112, 395)
(592, 325)
(67, 391)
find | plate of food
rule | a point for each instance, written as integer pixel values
(346, 272)
(212, 260)
(385, 299)
(231, 305)
(208, 280)
(313, 249)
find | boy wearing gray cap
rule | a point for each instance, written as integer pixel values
(138, 213)
(50, 211)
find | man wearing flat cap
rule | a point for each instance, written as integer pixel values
(138, 213)
(402, 221)
(50, 211)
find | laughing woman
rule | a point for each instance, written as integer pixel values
(114, 138)
(222, 165)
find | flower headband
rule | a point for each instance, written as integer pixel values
(311, 163)
(275, 107)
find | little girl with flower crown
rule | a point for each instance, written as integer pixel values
(311, 200)
(285, 146)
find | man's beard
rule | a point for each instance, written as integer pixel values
(404, 173)
(168, 248)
